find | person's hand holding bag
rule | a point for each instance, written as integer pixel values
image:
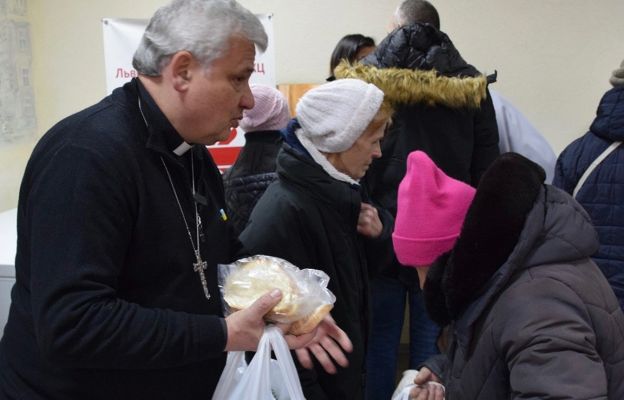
(245, 327)
(427, 386)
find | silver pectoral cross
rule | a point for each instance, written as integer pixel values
(200, 266)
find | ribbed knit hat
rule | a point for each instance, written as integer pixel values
(334, 115)
(617, 78)
(430, 212)
(270, 111)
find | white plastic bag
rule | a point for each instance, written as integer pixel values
(264, 378)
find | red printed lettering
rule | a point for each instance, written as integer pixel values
(122, 73)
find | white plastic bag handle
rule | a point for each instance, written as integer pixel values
(285, 363)
(254, 381)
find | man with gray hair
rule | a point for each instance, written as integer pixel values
(121, 225)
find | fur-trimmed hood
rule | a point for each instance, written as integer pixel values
(407, 86)
(419, 64)
(515, 222)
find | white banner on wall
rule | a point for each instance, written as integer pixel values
(122, 37)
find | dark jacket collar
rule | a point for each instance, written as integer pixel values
(300, 171)
(161, 135)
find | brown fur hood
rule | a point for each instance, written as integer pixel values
(409, 86)
(419, 64)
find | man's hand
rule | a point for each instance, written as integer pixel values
(245, 327)
(428, 387)
(327, 345)
(369, 224)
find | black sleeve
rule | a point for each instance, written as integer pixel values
(485, 148)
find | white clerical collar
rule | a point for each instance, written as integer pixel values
(183, 148)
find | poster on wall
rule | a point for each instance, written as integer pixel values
(17, 96)
(122, 37)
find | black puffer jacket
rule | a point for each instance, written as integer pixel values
(532, 317)
(420, 47)
(251, 174)
(310, 219)
(442, 108)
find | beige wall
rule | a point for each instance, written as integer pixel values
(554, 57)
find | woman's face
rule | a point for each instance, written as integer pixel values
(355, 161)
(363, 52)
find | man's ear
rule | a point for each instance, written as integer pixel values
(182, 66)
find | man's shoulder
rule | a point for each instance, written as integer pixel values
(101, 116)
(104, 121)
(105, 130)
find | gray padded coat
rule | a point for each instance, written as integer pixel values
(531, 316)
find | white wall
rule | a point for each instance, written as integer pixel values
(8, 239)
(554, 57)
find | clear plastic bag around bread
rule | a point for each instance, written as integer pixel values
(305, 297)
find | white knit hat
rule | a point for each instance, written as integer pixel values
(334, 115)
(270, 111)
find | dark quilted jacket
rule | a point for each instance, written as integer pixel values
(251, 174)
(461, 140)
(602, 195)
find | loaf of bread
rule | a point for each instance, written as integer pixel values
(257, 277)
(305, 300)
(308, 323)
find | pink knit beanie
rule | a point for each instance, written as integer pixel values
(430, 212)
(270, 111)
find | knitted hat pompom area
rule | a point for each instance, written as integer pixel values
(431, 208)
(269, 113)
(617, 78)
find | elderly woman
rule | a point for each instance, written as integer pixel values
(314, 216)
(531, 316)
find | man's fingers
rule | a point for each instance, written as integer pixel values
(334, 351)
(340, 337)
(322, 358)
(304, 358)
(297, 342)
(266, 302)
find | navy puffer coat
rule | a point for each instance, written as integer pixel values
(602, 195)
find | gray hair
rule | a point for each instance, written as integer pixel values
(421, 11)
(202, 27)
